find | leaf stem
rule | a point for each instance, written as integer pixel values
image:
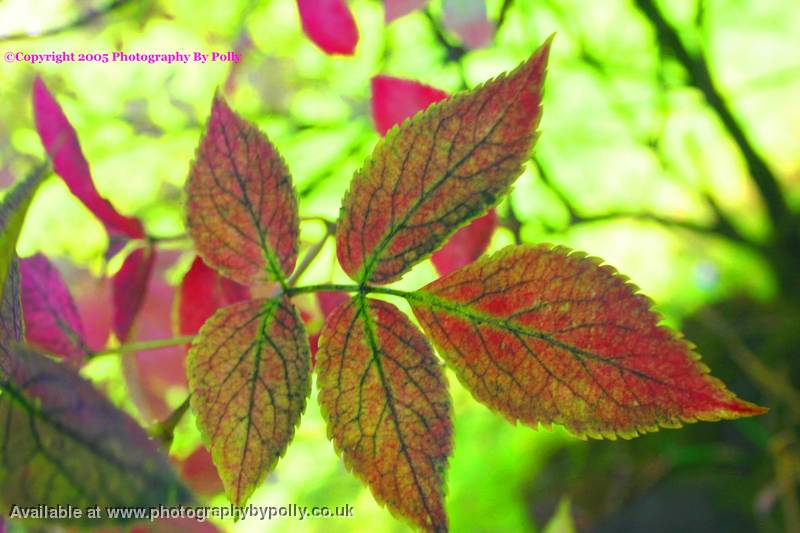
(142, 346)
(165, 429)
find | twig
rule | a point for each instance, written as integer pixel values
(143, 346)
(312, 254)
(501, 19)
(82, 20)
(165, 430)
(700, 77)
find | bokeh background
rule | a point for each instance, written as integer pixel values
(670, 148)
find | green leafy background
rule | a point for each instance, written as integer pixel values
(622, 134)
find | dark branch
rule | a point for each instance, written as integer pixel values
(700, 77)
(721, 228)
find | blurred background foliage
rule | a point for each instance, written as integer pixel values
(670, 147)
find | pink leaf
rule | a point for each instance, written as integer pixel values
(330, 25)
(394, 9)
(467, 19)
(466, 245)
(152, 374)
(51, 318)
(129, 287)
(62, 145)
(395, 99)
(201, 293)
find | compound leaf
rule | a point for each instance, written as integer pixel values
(241, 205)
(436, 172)
(52, 322)
(544, 335)
(384, 397)
(249, 376)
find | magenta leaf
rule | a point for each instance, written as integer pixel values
(201, 293)
(394, 9)
(330, 25)
(395, 99)
(129, 287)
(52, 322)
(62, 145)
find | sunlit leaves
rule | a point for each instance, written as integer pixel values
(329, 24)
(52, 322)
(63, 443)
(548, 336)
(385, 400)
(241, 206)
(250, 377)
(61, 142)
(436, 172)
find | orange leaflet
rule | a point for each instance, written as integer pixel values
(544, 335)
(249, 373)
(241, 205)
(384, 398)
(436, 172)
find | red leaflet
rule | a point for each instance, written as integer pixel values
(394, 9)
(467, 19)
(129, 287)
(466, 245)
(436, 172)
(51, 319)
(61, 143)
(241, 205)
(395, 99)
(202, 292)
(330, 25)
(544, 335)
(384, 398)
